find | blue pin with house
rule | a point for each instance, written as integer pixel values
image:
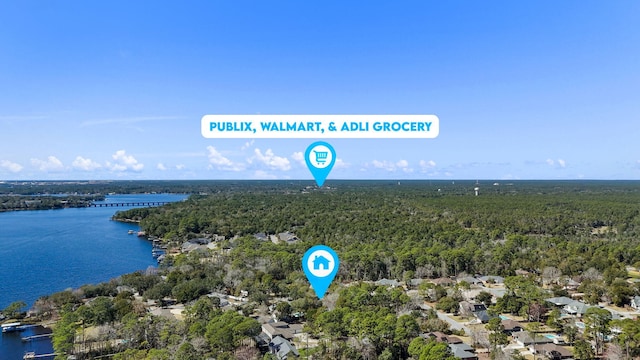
(320, 264)
(320, 158)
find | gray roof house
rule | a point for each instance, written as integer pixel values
(479, 311)
(287, 237)
(281, 329)
(463, 351)
(387, 282)
(560, 301)
(635, 302)
(576, 308)
(194, 244)
(524, 338)
(282, 348)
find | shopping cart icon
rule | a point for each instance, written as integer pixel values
(321, 156)
(322, 162)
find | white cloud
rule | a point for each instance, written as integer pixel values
(299, 157)
(340, 164)
(52, 164)
(216, 158)
(161, 167)
(11, 166)
(261, 174)
(180, 167)
(81, 163)
(427, 164)
(124, 162)
(247, 145)
(272, 160)
(404, 166)
(383, 165)
(219, 161)
(391, 166)
(562, 163)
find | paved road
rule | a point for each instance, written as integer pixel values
(452, 322)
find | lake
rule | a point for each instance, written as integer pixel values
(45, 251)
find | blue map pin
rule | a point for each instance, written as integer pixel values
(320, 264)
(320, 158)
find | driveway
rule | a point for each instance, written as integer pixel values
(454, 324)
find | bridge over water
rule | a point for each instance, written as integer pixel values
(132, 203)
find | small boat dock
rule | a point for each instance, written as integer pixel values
(11, 327)
(32, 355)
(36, 337)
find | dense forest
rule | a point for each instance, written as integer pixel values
(552, 231)
(383, 230)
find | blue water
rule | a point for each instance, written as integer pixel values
(13, 348)
(46, 251)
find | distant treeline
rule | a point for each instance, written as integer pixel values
(25, 202)
(464, 187)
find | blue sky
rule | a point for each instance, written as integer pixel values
(523, 89)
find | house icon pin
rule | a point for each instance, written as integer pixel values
(321, 263)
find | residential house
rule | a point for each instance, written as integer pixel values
(287, 237)
(216, 237)
(560, 302)
(223, 298)
(470, 280)
(569, 283)
(555, 352)
(479, 311)
(414, 283)
(469, 307)
(388, 283)
(491, 279)
(261, 236)
(282, 329)
(194, 244)
(442, 337)
(569, 306)
(635, 302)
(524, 338)
(443, 281)
(124, 288)
(511, 326)
(463, 351)
(282, 348)
(576, 308)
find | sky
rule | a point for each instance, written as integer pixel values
(116, 90)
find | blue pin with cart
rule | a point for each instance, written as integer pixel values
(320, 158)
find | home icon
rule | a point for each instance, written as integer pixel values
(320, 263)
